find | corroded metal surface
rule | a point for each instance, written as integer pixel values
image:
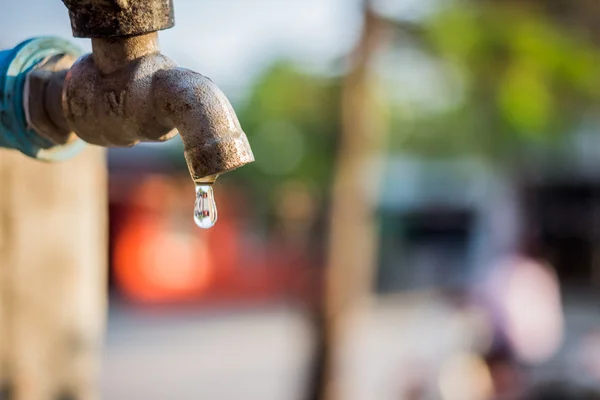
(112, 54)
(115, 109)
(127, 92)
(110, 18)
(213, 138)
(43, 87)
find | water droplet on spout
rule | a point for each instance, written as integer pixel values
(205, 209)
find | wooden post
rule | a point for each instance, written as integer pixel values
(53, 258)
(4, 292)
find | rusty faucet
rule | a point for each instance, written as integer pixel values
(126, 91)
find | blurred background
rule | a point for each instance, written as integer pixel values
(422, 220)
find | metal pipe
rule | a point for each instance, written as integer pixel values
(112, 54)
(43, 97)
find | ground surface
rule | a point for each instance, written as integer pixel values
(218, 354)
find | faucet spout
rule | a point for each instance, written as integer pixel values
(214, 142)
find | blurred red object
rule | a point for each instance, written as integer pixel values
(155, 265)
(151, 261)
(160, 256)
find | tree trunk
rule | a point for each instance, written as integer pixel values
(352, 251)
(53, 258)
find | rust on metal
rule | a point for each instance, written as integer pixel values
(213, 139)
(111, 54)
(127, 92)
(111, 18)
(43, 94)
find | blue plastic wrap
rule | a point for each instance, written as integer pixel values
(14, 66)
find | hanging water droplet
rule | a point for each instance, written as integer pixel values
(205, 209)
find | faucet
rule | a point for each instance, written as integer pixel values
(123, 93)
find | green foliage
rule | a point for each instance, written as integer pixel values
(292, 120)
(526, 81)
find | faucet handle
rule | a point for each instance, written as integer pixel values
(112, 18)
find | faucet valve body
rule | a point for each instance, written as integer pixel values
(126, 91)
(115, 109)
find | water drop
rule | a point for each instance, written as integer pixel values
(205, 210)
